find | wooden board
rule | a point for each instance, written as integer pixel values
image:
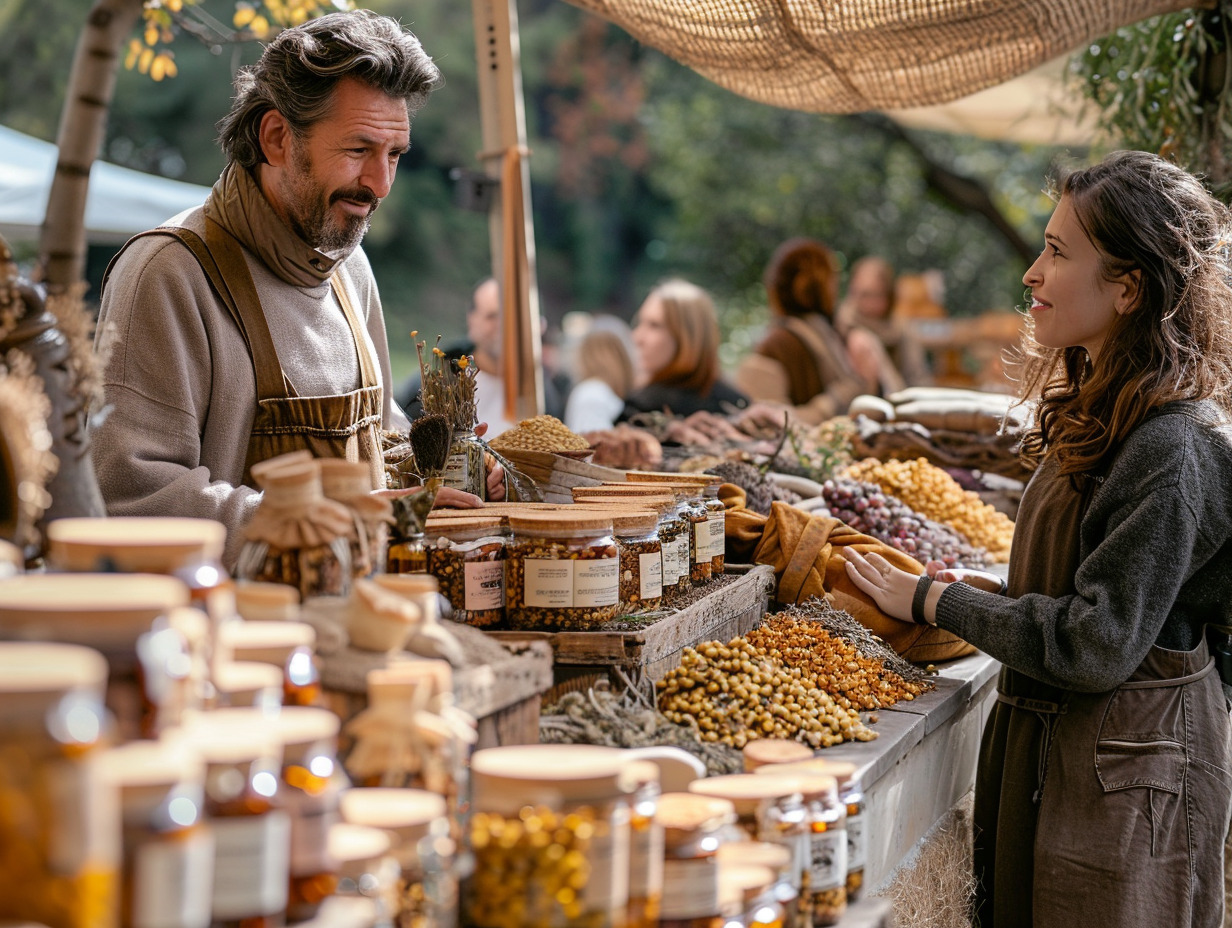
(651, 652)
(556, 474)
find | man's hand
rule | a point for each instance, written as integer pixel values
(495, 477)
(446, 497)
(763, 419)
(625, 447)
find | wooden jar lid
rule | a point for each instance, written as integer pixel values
(133, 544)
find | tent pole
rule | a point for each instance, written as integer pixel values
(510, 224)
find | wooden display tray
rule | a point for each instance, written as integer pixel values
(557, 474)
(649, 653)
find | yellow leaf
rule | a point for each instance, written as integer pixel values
(244, 14)
(143, 64)
(174, 5)
(158, 67)
(260, 27)
(151, 34)
(134, 49)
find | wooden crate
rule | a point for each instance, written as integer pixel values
(645, 655)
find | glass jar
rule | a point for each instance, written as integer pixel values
(297, 536)
(59, 819)
(289, 646)
(427, 887)
(168, 862)
(365, 866)
(702, 554)
(311, 782)
(717, 521)
(645, 847)
(827, 818)
(465, 468)
(692, 832)
(768, 808)
(256, 601)
(549, 832)
(350, 483)
(467, 557)
(248, 684)
(124, 617)
(252, 830)
(641, 559)
(563, 571)
(778, 860)
(408, 554)
(747, 897)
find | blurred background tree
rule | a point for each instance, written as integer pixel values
(640, 169)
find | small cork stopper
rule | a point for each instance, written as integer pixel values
(563, 520)
(35, 667)
(133, 544)
(689, 812)
(843, 771)
(261, 470)
(658, 503)
(757, 853)
(294, 486)
(344, 480)
(258, 601)
(774, 751)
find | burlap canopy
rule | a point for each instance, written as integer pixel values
(849, 56)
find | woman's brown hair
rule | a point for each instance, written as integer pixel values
(1175, 343)
(603, 354)
(690, 317)
(802, 278)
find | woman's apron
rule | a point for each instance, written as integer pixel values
(1090, 807)
(344, 426)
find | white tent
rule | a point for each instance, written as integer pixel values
(121, 201)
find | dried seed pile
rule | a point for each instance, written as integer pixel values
(539, 433)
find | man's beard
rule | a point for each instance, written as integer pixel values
(310, 213)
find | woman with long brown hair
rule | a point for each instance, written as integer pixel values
(676, 335)
(1104, 787)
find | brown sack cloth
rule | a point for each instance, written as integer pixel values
(801, 546)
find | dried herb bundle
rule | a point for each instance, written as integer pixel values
(448, 386)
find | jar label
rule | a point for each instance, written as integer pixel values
(829, 863)
(857, 843)
(484, 584)
(646, 860)
(718, 534)
(171, 882)
(701, 541)
(596, 582)
(457, 470)
(675, 560)
(690, 888)
(251, 862)
(650, 571)
(548, 583)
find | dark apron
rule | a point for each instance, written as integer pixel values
(1089, 806)
(345, 426)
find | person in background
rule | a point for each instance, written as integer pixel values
(604, 379)
(1104, 787)
(676, 336)
(484, 329)
(802, 363)
(251, 326)
(869, 306)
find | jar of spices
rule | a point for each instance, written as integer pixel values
(252, 830)
(717, 520)
(408, 554)
(297, 536)
(747, 898)
(289, 646)
(641, 559)
(645, 847)
(467, 557)
(350, 483)
(692, 830)
(124, 617)
(59, 819)
(778, 860)
(549, 831)
(768, 808)
(563, 571)
(705, 544)
(168, 862)
(311, 782)
(415, 819)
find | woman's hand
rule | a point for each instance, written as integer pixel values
(980, 579)
(890, 588)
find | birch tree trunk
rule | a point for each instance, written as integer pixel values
(83, 120)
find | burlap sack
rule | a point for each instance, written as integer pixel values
(805, 551)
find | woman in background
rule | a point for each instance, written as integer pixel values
(676, 335)
(870, 306)
(604, 374)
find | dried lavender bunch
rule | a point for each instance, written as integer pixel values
(448, 386)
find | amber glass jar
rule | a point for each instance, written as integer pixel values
(168, 859)
(645, 847)
(746, 894)
(289, 646)
(252, 831)
(563, 571)
(467, 557)
(778, 860)
(693, 831)
(59, 819)
(549, 831)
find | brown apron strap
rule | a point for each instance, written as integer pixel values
(1031, 705)
(367, 364)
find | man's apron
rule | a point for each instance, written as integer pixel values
(345, 426)
(1089, 806)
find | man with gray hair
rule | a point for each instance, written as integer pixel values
(251, 326)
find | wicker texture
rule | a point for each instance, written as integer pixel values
(848, 56)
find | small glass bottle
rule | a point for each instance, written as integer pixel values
(365, 866)
(778, 860)
(641, 559)
(256, 601)
(645, 848)
(248, 684)
(311, 782)
(747, 897)
(252, 831)
(289, 646)
(693, 827)
(563, 571)
(168, 850)
(762, 752)
(696, 514)
(467, 557)
(827, 818)
(60, 846)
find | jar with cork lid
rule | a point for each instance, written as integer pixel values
(549, 831)
(289, 646)
(641, 559)
(467, 557)
(645, 847)
(693, 828)
(126, 618)
(702, 518)
(60, 840)
(350, 483)
(252, 830)
(248, 684)
(778, 860)
(747, 897)
(762, 752)
(563, 571)
(258, 601)
(426, 894)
